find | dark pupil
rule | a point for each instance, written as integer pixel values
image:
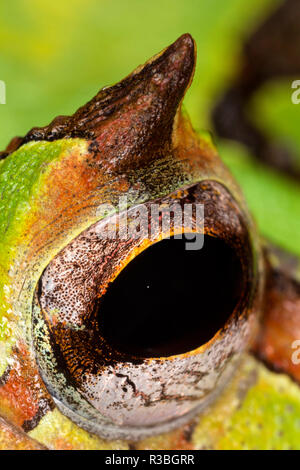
(169, 300)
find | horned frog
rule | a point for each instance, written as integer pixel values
(91, 359)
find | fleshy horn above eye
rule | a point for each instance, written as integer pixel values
(132, 122)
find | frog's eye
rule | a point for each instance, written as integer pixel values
(133, 336)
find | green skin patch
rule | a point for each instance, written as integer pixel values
(23, 177)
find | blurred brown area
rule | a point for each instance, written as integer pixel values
(272, 51)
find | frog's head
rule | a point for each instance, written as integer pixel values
(128, 333)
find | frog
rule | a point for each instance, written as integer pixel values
(118, 343)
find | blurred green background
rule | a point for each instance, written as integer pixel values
(55, 55)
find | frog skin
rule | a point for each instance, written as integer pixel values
(62, 384)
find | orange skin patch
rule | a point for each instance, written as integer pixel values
(23, 394)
